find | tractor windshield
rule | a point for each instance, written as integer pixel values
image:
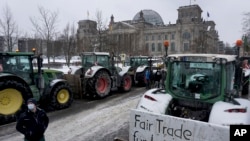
(138, 61)
(18, 65)
(199, 80)
(92, 60)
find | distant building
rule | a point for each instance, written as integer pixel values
(145, 34)
(4, 46)
(221, 47)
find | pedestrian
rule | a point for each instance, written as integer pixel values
(245, 85)
(69, 71)
(163, 78)
(157, 78)
(147, 77)
(33, 122)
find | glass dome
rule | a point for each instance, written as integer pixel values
(150, 16)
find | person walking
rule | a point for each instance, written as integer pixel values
(163, 78)
(147, 77)
(157, 78)
(33, 122)
(70, 71)
(245, 86)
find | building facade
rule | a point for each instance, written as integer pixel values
(146, 33)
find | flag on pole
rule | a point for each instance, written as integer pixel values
(208, 14)
(190, 2)
(88, 14)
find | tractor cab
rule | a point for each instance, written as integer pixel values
(19, 64)
(90, 59)
(204, 78)
(136, 61)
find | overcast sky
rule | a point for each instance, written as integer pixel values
(227, 14)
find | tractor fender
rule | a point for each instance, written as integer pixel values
(8, 76)
(141, 68)
(52, 84)
(93, 70)
(124, 70)
(163, 99)
(220, 111)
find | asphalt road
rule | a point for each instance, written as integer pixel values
(86, 120)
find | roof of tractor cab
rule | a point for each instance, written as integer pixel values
(229, 58)
(139, 56)
(17, 53)
(95, 53)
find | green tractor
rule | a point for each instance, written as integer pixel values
(22, 77)
(99, 76)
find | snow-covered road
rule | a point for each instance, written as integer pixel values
(102, 122)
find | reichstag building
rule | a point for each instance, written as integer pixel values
(146, 33)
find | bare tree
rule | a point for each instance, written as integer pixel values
(200, 43)
(45, 26)
(8, 29)
(246, 31)
(69, 42)
(246, 23)
(101, 28)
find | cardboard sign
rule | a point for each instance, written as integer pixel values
(145, 126)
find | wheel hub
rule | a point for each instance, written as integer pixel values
(10, 101)
(101, 85)
(4, 100)
(63, 96)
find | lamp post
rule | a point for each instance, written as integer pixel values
(166, 44)
(238, 45)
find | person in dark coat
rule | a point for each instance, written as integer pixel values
(163, 75)
(157, 77)
(245, 87)
(33, 122)
(147, 77)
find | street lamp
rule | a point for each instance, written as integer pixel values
(238, 45)
(166, 44)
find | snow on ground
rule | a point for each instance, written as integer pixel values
(65, 69)
(88, 125)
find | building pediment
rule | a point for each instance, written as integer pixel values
(123, 27)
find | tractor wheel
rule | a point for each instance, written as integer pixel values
(13, 96)
(61, 97)
(140, 77)
(100, 85)
(126, 83)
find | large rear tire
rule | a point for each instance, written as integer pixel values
(99, 86)
(126, 83)
(61, 97)
(140, 78)
(13, 96)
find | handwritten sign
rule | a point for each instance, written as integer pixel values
(145, 126)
